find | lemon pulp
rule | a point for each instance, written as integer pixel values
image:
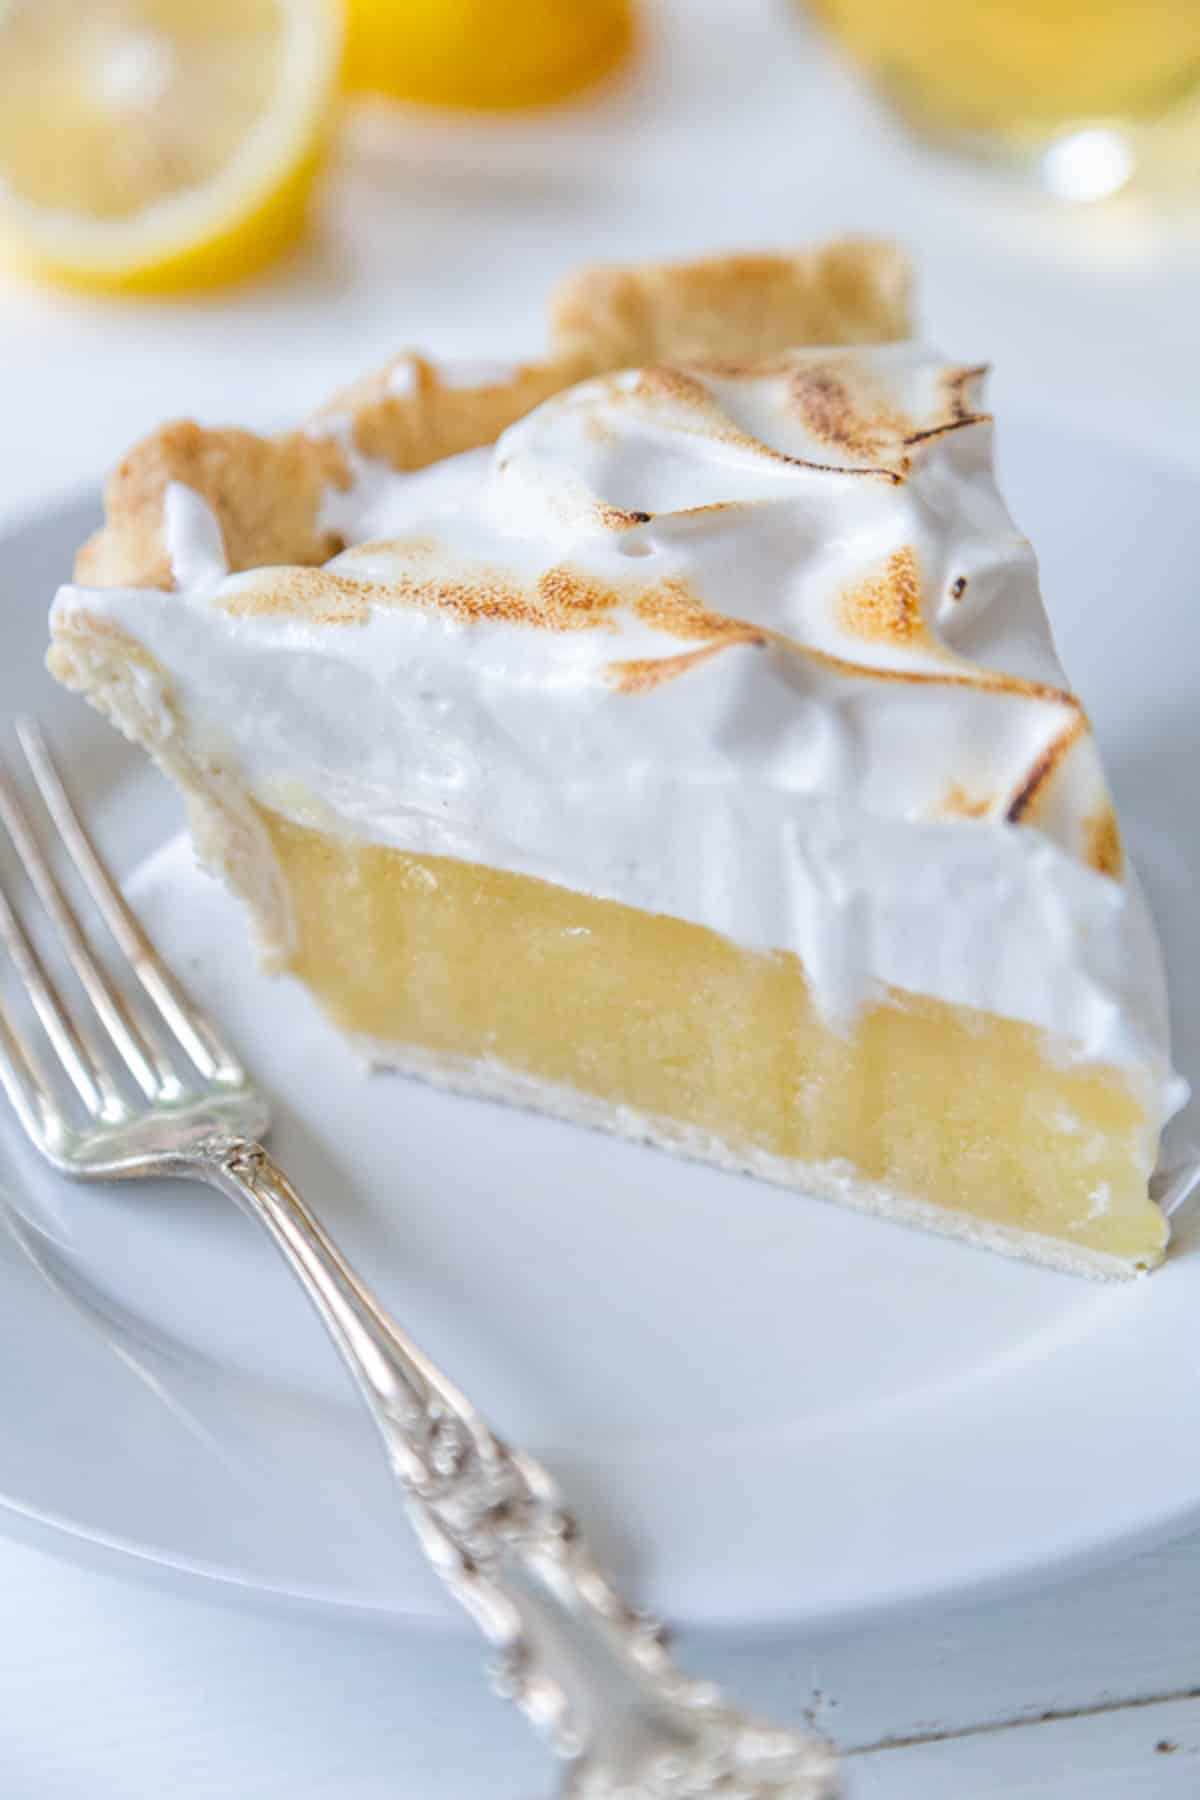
(158, 143)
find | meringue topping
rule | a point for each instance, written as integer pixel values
(757, 646)
(807, 514)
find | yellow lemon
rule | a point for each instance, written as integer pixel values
(160, 144)
(492, 53)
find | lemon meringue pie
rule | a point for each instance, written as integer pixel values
(667, 735)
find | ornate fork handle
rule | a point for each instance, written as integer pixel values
(585, 1666)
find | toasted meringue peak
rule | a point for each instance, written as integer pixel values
(267, 494)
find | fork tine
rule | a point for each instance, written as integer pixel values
(139, 1047)
(75, 1051)
(191, 1027)
(29, 1092)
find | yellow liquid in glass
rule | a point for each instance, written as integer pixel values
(1013, 66)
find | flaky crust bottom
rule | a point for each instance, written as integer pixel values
(837, 1181)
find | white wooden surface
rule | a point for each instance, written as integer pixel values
(731, 132)
(110, 1691)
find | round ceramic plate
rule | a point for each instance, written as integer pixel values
(766, 1409)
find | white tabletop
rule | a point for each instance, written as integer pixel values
(732, 131)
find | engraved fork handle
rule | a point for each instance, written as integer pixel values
(581, 1663)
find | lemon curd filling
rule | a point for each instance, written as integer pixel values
(946, 1106)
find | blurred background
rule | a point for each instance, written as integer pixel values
(230, 207)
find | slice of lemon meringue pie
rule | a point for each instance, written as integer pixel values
(667, 735)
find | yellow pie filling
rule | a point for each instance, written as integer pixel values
(431, 959)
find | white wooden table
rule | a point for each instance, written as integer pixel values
(731, 132)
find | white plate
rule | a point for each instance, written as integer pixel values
(768, 1410)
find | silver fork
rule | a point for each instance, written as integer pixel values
(585, 1666)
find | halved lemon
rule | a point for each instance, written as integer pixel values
(160, 144)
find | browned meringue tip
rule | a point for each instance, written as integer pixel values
(266, 492)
